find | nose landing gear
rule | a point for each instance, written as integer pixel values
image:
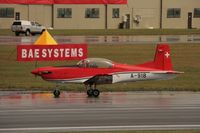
(56, 93)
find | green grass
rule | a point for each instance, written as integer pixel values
(116, 32)
(16, 75)
(127, 32)
(172, 131)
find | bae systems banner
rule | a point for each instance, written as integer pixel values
(51, 52)
(63, 1)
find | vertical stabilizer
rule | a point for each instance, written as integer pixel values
(162, 59)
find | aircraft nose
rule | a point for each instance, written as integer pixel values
(40, 72)
(35, 72)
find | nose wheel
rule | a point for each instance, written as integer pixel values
(56, 93)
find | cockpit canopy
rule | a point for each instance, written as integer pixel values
(95, 63)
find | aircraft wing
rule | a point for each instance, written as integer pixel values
(99, 79)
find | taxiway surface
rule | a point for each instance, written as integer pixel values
(36, 112)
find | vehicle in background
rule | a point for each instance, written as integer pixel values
(27, 27)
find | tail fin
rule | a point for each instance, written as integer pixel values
(162, 59)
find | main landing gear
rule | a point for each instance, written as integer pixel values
(92, 91)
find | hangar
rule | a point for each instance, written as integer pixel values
(103, 14)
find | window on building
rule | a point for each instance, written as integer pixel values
(174, 13)
(92, 13)
(64, 13)
(6, 12)
(115, 13)
(196, 12)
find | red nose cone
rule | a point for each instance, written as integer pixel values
(35, 72)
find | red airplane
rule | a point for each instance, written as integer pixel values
(94, 71)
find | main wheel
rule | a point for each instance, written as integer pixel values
(56, 93)
(90, 92)
(96, 93)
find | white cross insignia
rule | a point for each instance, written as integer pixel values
(167, 54)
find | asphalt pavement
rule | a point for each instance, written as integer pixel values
(41, 112)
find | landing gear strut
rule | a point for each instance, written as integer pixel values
(92, 91)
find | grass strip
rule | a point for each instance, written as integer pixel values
(165, 131)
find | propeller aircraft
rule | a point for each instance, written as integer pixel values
(94, 71)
